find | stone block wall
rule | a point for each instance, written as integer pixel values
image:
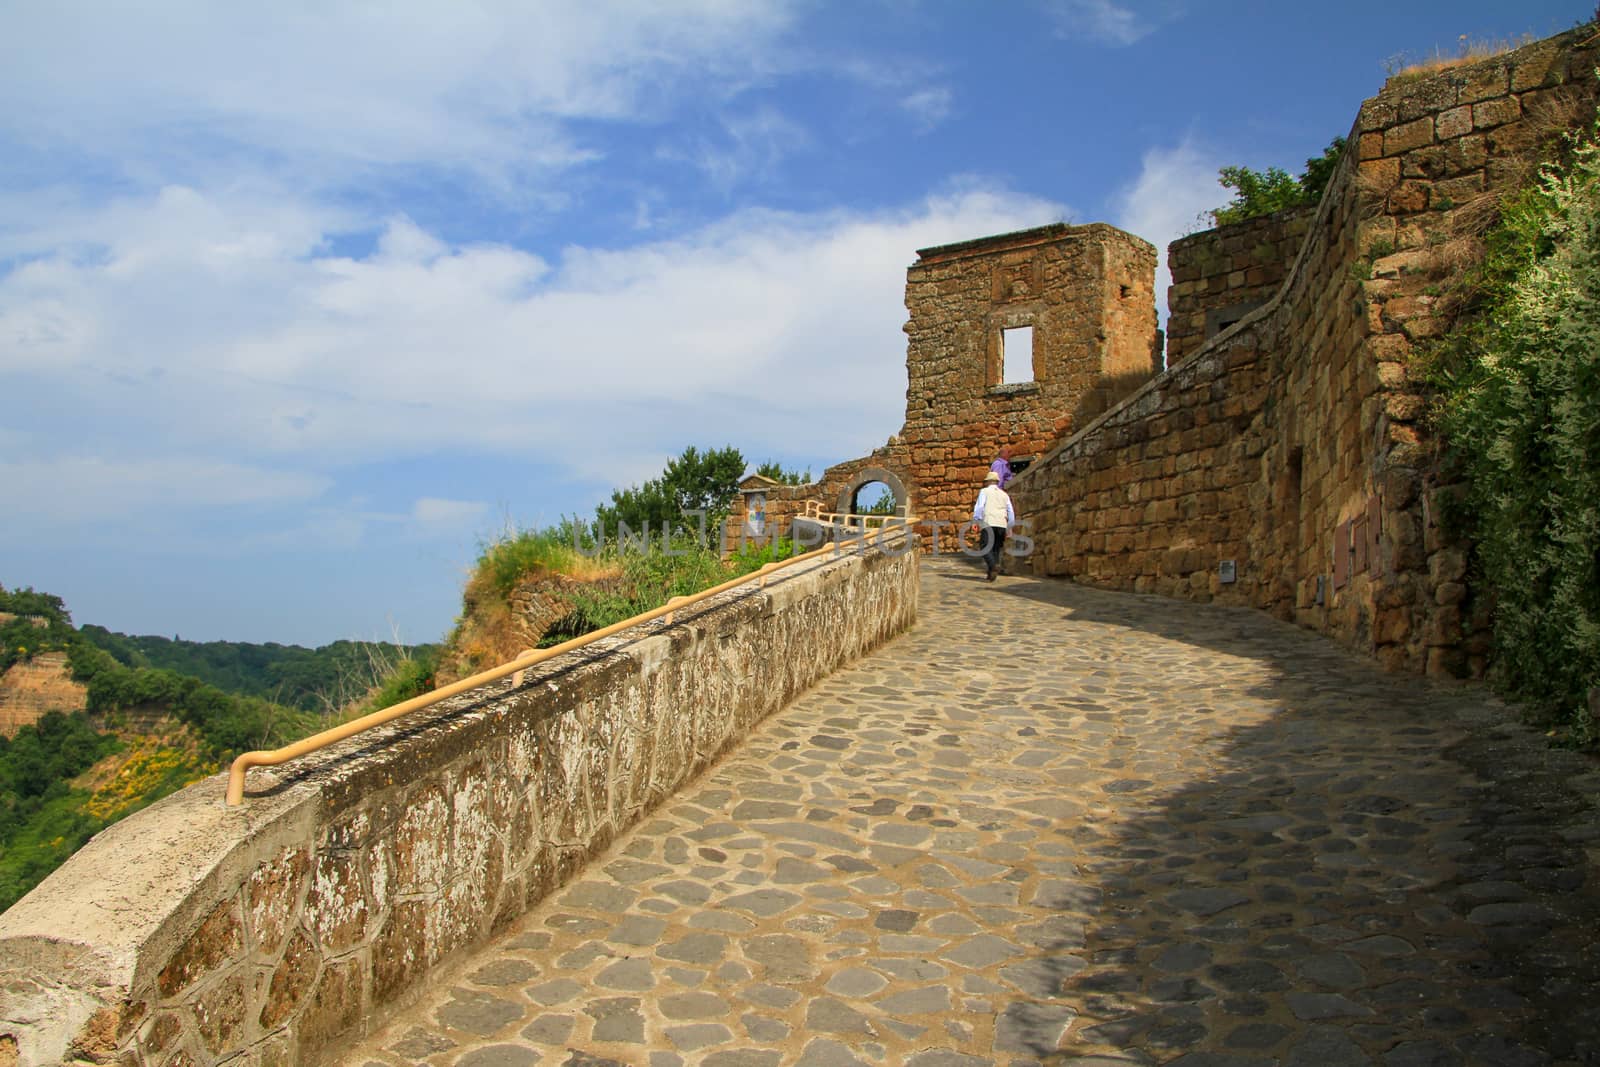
(270, 933)
(1293, 446)
(1221, 275)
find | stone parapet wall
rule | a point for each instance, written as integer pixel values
(1292, 446)
(1221, 275)
(271, 933)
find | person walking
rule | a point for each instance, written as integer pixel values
(1002, 466)
(994, 514)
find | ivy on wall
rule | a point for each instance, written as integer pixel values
(1520, 411)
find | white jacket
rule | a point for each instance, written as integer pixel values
(993, 508)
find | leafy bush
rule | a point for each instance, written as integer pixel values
(1521, 412)
(1259, 192)
(506, 561)
(752, 556)
(41, 823)
(412, 678)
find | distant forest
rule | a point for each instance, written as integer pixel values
(67, 777)
(310, 679)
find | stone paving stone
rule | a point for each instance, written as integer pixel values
(501, 1056)
(1104, 830)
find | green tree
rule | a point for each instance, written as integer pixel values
(695, 481)
(1258, 192)
(775, 470)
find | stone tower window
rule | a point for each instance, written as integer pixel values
(1016, 355)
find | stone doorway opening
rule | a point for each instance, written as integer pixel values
(874, 498)
(875, 491)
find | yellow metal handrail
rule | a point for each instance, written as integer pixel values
(877, 520)
(273, 757)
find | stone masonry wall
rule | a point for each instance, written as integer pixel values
(192, 933)
(1220, 275)
(1292, 446)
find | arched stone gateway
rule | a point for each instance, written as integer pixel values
(866, 476)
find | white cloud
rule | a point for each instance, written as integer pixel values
(1175, 185)
(213, 323)
(1100, 21)
(751, 146)
(929, 106)
(324, 91)
(74, 487)
(435, 511)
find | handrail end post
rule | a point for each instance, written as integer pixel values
(241, 763)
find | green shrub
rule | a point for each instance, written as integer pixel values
(412, 678)
(1521, 413)
(505, 562)
(1258, 192)
(646, 580)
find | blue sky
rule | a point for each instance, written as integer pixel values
(302, 302)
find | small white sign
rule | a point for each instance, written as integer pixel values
(1227, 573)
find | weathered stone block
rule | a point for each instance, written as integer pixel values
(219, 1012)
(1491, 113)
(336, 906)
(219, 940)
(1425, 98)
(1467, 153)
(1409, 197)
(1443, 628)
(272, 898)
(1391, 626)
(334, 1007)
(1448, 565)
(1407, 136)
(291, 980)
(1536, 65)
(1453, 123)
(1484, 80)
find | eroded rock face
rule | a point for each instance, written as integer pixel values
(280, 928)
(34, 686)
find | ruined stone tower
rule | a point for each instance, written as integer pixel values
(1084, 297)
(1012, 340)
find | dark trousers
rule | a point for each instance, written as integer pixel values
(994, 540)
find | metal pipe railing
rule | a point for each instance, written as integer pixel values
(273, 757)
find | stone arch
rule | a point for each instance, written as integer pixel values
(902, 496)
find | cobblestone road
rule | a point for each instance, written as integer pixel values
(1057, 825)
